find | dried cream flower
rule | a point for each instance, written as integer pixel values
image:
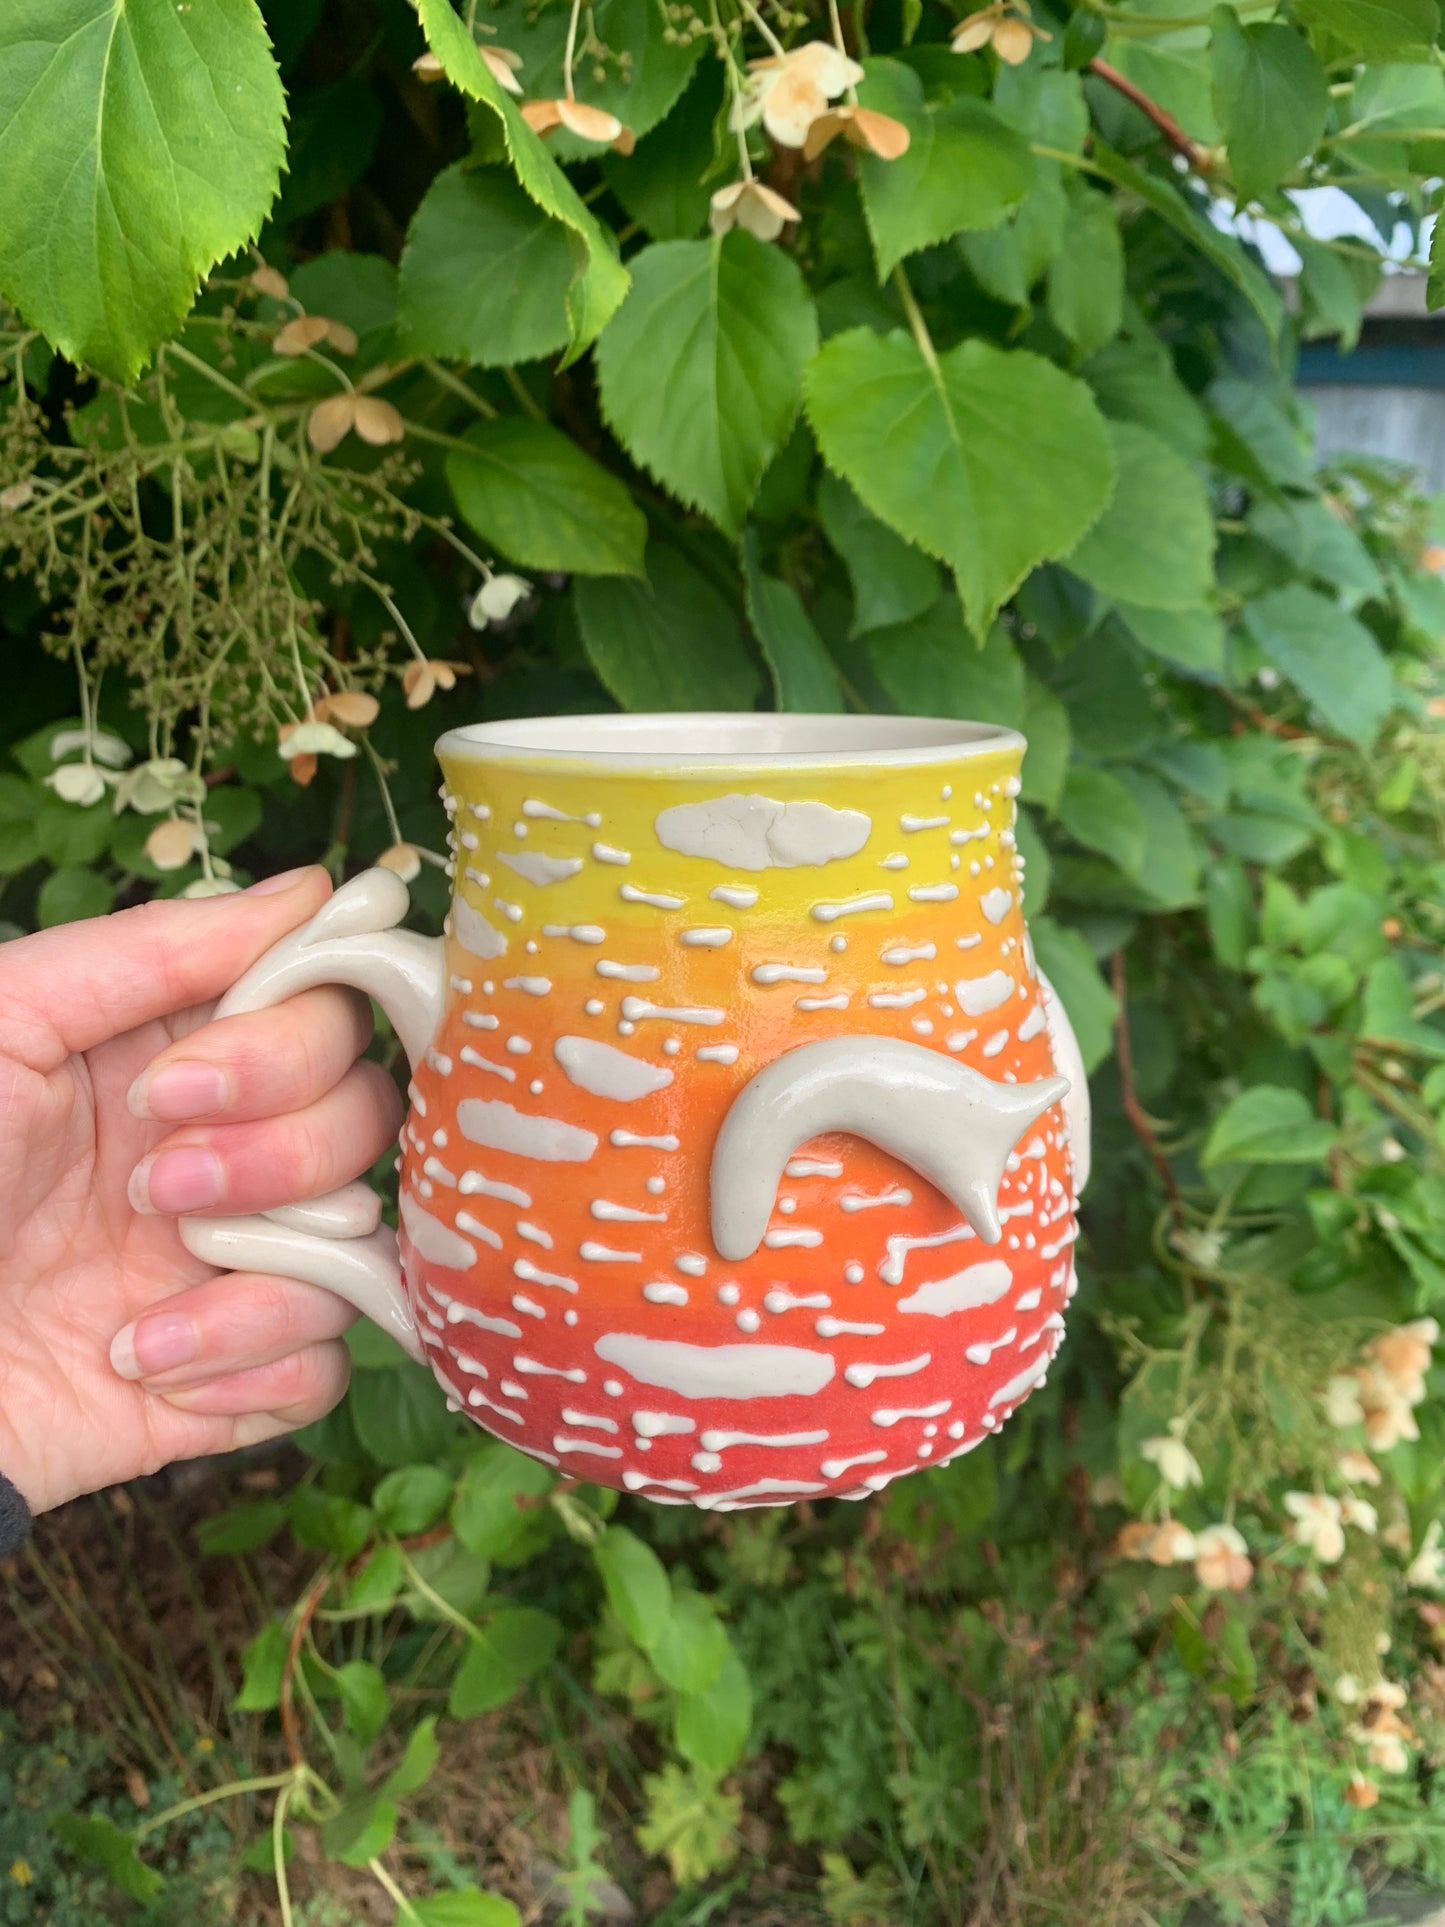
(1427, 1568)
(496, 599)
(864, 127)
(751, 205)
(1221, 1559)
(789, 91)
(1360, 1792)
(428, 68)
(216, 886)
(504, 66)
(305, 331)
(1359, 1513)
(352, 707)
(172, 844)
(1317, 1524)
(1358, 1468)
(1342, 1401)
(1006, 24)
(1403, 1355)
(587, 123)
(18, 496)
(1172, 1544)
(402, 858)
(1177, 1465)
(421, 680)
(269, 280)
(374, 420)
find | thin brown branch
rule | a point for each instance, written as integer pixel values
(1163, 120)
(1138, 1117)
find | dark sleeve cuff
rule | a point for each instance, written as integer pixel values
(14, 1519)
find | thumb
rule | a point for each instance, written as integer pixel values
(74, 987)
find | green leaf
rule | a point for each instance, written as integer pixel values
(378, 1582)
(528, 488)
(1268, 1124)
(964, 168)
(411, 1498)
(243, 1528)
(70, 833)
(692, 1644)
(690, 1821)
(1007, 260)
(1086, 279)
(803, 676)
(1159, 491)
(933, 667)
(496, 1496)
(140, 142)
(1318, 542)
(1255, 437)
(1168, 872)
(991, 460)
(1068, 963)
(665, 184)
(456, 1577)
(1192, 638)
(417, 1764)
(1221, 250)
(101, 1843)
(68, 895)
(327, 1522)
(1373, 29)
(671, 642)
(1270, 95)
(712, 1726)
(638, 1589)
(1332, 659)
(364, 1828)
(1389, 1011)
(891, 580)
(363, 1699)
(1098, 811)
(262, 1665)
(699, 375)
(1229, 908)
(638, 79)
(467, 1907)
(485, 273)
(514, 1644)
(598, 287)
(1046, 727)
(400, 1416)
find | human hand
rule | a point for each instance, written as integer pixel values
(123, 1106)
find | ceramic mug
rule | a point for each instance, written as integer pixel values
(745, 1134)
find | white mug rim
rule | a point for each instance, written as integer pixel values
(731, 740)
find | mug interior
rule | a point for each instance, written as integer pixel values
(682, 740)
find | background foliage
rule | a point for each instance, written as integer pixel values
(474, 420)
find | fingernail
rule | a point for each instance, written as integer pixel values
(177, 1181)
(152, 1345)
(272, 886)
(185, 1090)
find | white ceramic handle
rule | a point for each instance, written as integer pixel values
(338, 1241)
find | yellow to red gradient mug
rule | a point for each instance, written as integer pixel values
(745, 1135)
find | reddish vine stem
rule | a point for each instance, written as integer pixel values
(1133, 1109)
(1164, 121)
